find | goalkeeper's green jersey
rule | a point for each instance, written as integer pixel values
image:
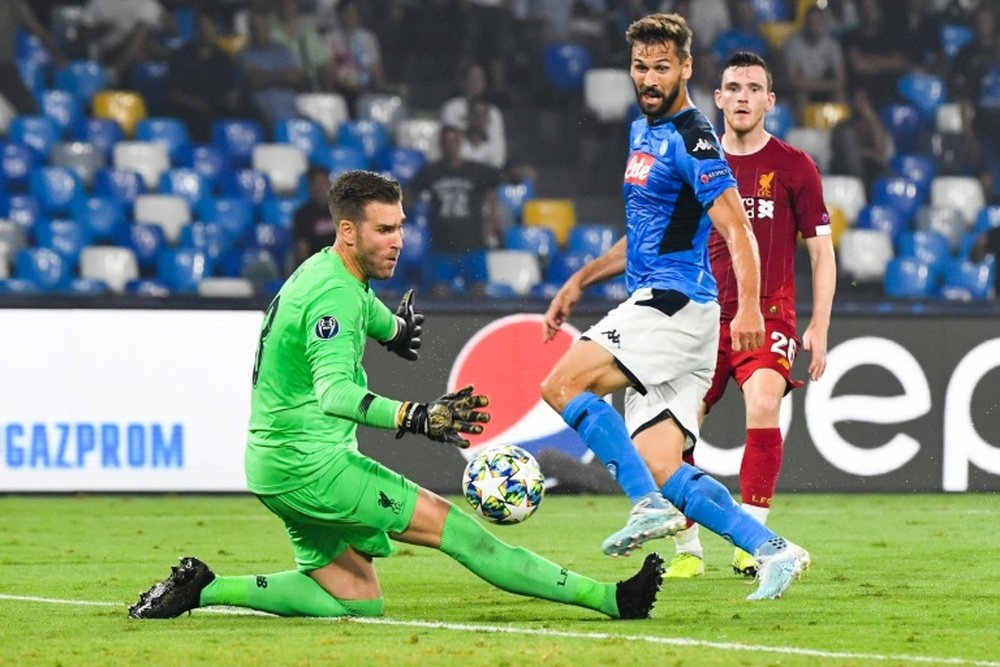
(309, 389)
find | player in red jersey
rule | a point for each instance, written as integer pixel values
(783, 196)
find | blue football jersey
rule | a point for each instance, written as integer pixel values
(675, 171)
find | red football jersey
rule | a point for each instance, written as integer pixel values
(783, 197)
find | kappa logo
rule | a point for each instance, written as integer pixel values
(638, 168)
(613, 336)
(703, 145)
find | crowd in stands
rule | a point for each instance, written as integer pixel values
(157, 147)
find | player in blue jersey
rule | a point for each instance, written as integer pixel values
(660, 344)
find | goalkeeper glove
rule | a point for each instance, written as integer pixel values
(445, 419)
(406, 342)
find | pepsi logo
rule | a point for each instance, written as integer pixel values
(638, 167)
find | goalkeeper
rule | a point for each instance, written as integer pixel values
(342, 509)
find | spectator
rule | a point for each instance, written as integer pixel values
(355, 63)
(484, 141)
(708, 19)
(123, 33)
(745, 35)
(917, 33)
(312, 226)
(291, 28)
(874, 63)
(203, 82)
(987, 245)
(15, 14)
(272, 74)
(814, 63)
(464, 215)
(842, 17)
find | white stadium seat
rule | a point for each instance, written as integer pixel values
(962, 192)
(115, 265)
(170, 212)
(516, 268)
(284, 165)
(149, 158)
(864, 253)
(608, 92)
(329, 110)
(846, 193)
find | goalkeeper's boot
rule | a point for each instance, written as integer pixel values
(685, 566)
(779, 563)
(637, 594)
(651, 517)
(744, 564)
(178, 593)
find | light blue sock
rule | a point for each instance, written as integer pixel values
(603, 429)
(704, 500)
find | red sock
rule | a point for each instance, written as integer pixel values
(688, 458)
(761, 465)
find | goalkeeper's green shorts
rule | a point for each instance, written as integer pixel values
(357, 502)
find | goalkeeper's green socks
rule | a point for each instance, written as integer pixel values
(286, 594)
(517, 570)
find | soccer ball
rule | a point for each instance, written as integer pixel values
(503, 484)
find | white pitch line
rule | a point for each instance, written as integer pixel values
(540, 632)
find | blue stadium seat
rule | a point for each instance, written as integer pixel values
(404, 163)
(612, 290)
(926, 92)
(343, 158)
(591, 239)
(930, 247)
(369, 136)
(84, 78)
(57, 188)
(181, 270)
(500, 291)
(987, 218)
(19, 286)
(566, 65)
(63, 108)
(149, 79)
(306, 134)
(208, 160)
(170, 131)
(147, 288)
(101, 217)
(187, 183)
(968, 281)
(147, 241)
(37, 132)
(208, 237)
(247, 184)
(513, 195)
(277, 239)
(566, 264)
(953, 38)
(121, 184)
(16, 162)
(533, 238)
(102, 132)
(908, 277)
(899, 193)
(883, 218)
(279, 211)
(34, 74)
(257, 265)
(44, 267)
(234, 216)
(236, 138)
(779, 120)
(88, 287)
(416, 252)
(904, 123)
(28, 47)
(24, 209)
(66, 237)
(917, 167)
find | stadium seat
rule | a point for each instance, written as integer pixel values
(35, 75)
(339, 159)
(517, 268)
(83, 78)
(4, 262)
(592, 239)
(83, 158)
(225, 288)
(953, 37)
(276, 239)
(825, 115)
(329, 110)
(56, 188)
(512, 197)
(146, 240)
(541, 241)
(181, 270)
(16, 162)
(779, 120)
(115, 265)
(121, 184)
(248, 184)
(304, 133)
(370, 136)
(987, 218)
(12, 238)
(949, 118)
(125, 107)
(19, 286)
(926, 92)
(236, 138)
(148, 78)
(944, 220)
(899, 193)
(403, 163)
(169, 131)
(415, 257)
(863, 254)
(566, 65)
(904, 124)
(559, 215)
(209, 161)
(87, 287)
(838, 223)
(147, 288)
(170, 212)
(208, 237)
(37, 132)
(279, 212)
(846, 193)
(27, 46)
(962, 192)
(63, 108)
(881, 218)
(148, 158)
(917, 167)
(284, 165)
(258, 266)
(102, 217)
(815, 142)
(44, 267)
(969, 281)
(385, 109)
(187, 183)
(909, 278)
(566, 264)
(22, 209)
(234, 216)
(67, 237)
(608, 93)
(101, 132)
(927, 245)
(7, 113)
(422, 134)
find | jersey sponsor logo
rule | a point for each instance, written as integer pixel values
(758, 209)
(765, 185)
(638, 168)
(327, 327)
(711, 175)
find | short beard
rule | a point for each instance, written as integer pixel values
(666, 102)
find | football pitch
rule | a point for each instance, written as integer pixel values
(895, 580)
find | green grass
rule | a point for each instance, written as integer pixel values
(892, 576)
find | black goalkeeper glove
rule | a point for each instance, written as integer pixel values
(406, 342)
(446, 418)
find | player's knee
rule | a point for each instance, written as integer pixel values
(763, 408)
(556, 392)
